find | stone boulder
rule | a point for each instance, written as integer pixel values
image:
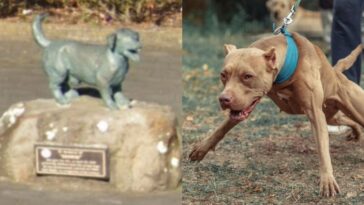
(144, 149)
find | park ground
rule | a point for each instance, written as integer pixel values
(271, 158)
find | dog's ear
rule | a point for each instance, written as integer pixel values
(228, 48)
(271, 58)
(268, 4)
(111, 41)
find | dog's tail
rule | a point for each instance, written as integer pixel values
(348, 61)
(38, 31)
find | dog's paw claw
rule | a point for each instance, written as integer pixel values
(353, 138)
(198, 152)
(328, 186)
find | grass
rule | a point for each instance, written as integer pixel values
(270, 158)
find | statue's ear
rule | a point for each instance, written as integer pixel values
(111, 41)
(228, 48)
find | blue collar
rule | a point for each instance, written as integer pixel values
(291, 60)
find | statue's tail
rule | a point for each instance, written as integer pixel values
(38, 31)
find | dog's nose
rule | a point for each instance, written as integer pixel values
(225, 100)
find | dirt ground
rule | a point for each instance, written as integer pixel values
(156, 78)
(271, 158)
(15, 194)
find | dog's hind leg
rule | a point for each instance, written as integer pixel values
(350, 101)
(201, 148)
(57, 75)
(72, 82)
(341, 119)
(55, 84)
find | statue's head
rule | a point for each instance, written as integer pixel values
(125, 42)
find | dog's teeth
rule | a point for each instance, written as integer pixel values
(238, 115)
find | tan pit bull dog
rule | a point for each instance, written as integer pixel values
(315, 89)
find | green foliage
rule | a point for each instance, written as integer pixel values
(7, 7)
(125, 10)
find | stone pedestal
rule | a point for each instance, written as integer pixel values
(144, 150)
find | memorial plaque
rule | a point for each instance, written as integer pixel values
(72, 161)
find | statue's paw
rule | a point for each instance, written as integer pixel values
(124, 105)
(71, 94)
(122, 101)
(62, 100)
(112, 105)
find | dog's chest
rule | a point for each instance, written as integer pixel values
(286, 101)
(284, 95)
(118, 69)
(119, 73)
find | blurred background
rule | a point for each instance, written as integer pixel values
(233, 21)
(161, 12)
(231, 16)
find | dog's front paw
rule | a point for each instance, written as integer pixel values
(121, 101)
(355, 136)
(62, 100)
(71, 94)
(328, 185)
(112, 105)
(199, 151)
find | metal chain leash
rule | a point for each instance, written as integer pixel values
(287, 20)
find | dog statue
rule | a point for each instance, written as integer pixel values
(69, 63)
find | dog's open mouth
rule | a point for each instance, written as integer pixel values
(240, 115)
(133, 51)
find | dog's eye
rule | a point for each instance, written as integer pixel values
(223, 77)
(247, 76)
(282, 5)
